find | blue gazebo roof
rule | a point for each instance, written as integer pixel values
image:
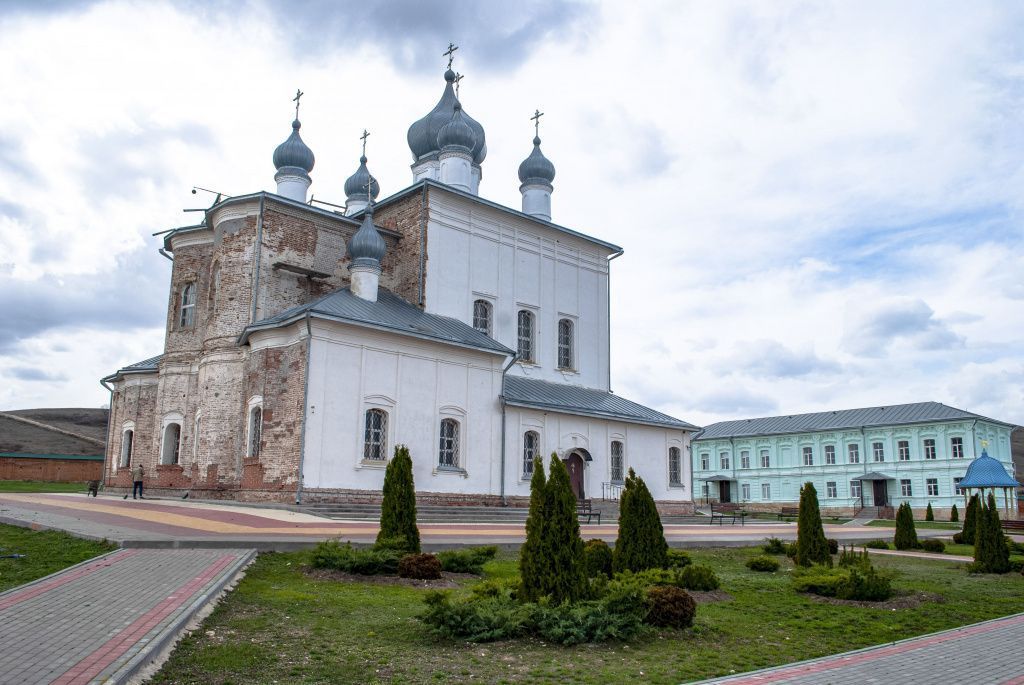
(986, 472)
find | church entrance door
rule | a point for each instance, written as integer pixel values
(575, 466)
(724, 491)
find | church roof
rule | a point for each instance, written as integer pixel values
(145, 366)
(574, 399)
(389, 313)
(843, 419)
(986, 472)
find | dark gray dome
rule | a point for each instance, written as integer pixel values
(367, 246)
(422, 134)
(456, 133)
(293, 152)
(536, 168)
(355, 186)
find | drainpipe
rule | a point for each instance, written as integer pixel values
(305, 411)
(164, 254)
(504, 371)
(256, 260)
(608, 300)
(423, 234)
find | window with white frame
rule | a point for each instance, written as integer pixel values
(956, 487)
(565, 344)
(878, 451)
(766, 491)
(956, 446)
(525, 336)
(933, 486)
(855, 490)
(375, 435)
(808, 456)
(929, 448)
(675, 466)
(831, 490)
(723, 460)
(766, 460)
(853, 453)
(745, 491)
(830, 454)
(705, 461)
(255, 431)
(704, 490)
(745, 459)
(903, 450)
(448, 448)
(531, 446)
(187, 307)
(172, 444)
(906, 489)
(127, 443)
(482, 316)
(617, 452)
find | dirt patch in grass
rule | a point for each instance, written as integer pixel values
(447, 581)
(903, 600)
(710, 597)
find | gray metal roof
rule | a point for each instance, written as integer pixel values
(574, 399)
(843, 419)
(145, 366)
(874, 475)
(389, 313)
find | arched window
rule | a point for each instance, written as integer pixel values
(375, 438)
(525, 336)
(172, 444)
(448, 452)
(531, 445)
(187, 317)
(616, 461)
(675, 466)
(127, 440)
(255, 431)
(565, 343)
(482, 316)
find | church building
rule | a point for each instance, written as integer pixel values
(303, 344)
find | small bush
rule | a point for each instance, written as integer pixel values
(395, 543)
(470, 560)
(876, 544)
(774, 546)
(954, 514)
(819, 580)
(958, 538)
(929, 515)
(762, 563)
(670, 607)
(597, 558)
(1017, 565)
(934, 546)
(677, 558)
(419, 566)
(833, 546)
(366, 562)
(791, 550)
(1015, 547)
(866, 585)
(699, 577)
(906, 534)
(849, 557)
(476, 620)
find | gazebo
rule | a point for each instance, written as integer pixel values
(984, 473)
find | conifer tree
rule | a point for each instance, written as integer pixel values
(532, 562)
(398, 510)
(971, 520)
(991, 553)
(954, 514)
(929, 515)
(564, 576)
(811, 545)
(641, 541)
(906, 533)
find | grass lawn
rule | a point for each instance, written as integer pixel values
(281, 626)
(931, 525)
(40, 486)
(45, 552)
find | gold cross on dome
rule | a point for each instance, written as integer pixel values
(450, 53)
(536, 122)
(366, 134)
(298, 96)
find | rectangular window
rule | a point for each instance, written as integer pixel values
(766, 491)
(929, 449)
(705, 462)
(905, 488)
(808, 456)
(565, 344)
(956, 486)
(448, 445)
(704, 490)
(675, 466)
(745, 459)
(957, 447)
(878, 451)
(933, 487)
(766, 462)
(903, 447)
(525, 336)
(855, 489)
(745, 489)
(723, 459)
(831, 490)
(853, 453)
(830, 454)
(187, 309)
(616, 462)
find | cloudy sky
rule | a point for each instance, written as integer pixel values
(821, 203)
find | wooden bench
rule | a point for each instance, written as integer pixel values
(1013, 525)
(726, 510)
(789, 512)
(585, 509)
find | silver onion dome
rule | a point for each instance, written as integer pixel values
(293, 152)
(422, 135)
(456, 133)
(367, 247)
(355, 185)
(536, 168)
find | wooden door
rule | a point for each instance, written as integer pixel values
(879, 491)
(575, 466)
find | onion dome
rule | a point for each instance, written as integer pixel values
(456, 133)
(293, 152)
(367, 247)
(422, 136)
(536, 168)
(355, 186)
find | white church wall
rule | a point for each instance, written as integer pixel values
(479, 252)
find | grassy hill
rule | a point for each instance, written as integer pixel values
(16, 436)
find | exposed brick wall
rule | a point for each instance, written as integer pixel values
(402, 262)
(132, 402)
(50, 470)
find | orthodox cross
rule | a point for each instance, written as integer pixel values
(366, 134)
(452, 47)
(536, 122)
(298, 96)
(458, 78)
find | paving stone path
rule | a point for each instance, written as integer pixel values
(104, 619)
(980, 654)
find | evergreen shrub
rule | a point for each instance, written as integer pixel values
(532, 563)
(398, 508)
(670, 607)
(699, 577)
(991, 553)
(850, 557)
(677, 558)
(811, 545)
(929, 515)
(366, 562)
(852, 582)
(933, 545)
(958, 538)
(906, 534)
(791, 550)
(970, 520)
(773, 546)
(419, 566)
(954, 514)
(641, 542)
(876, 544)
(597, 556)
(470, 560)
(762, 563)
(564, 578)
(833, 546)
(397, 543)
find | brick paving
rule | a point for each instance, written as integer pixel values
(101, 620)
(980, 654)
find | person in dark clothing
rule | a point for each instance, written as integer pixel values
(137, 474)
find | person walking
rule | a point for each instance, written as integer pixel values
(137, 474)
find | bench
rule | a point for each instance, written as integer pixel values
(726, 510)
(789, 512)
(94, 488)
(1013, 525)
(585, 509)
